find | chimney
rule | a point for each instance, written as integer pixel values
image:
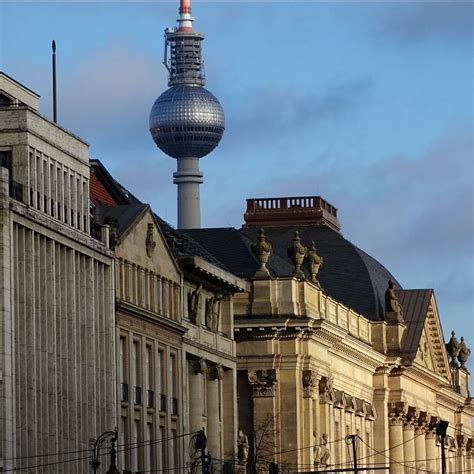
(290, 211)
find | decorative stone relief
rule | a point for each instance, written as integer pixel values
(315, 263)
(194, 304)
(326, 391)
(263, 382)
(199, 366)
(150, 243)
(215, 372)
(393, 308)
(310, 383)
(297, 252)
(396, 413)
(213, 310)
(262, 249)
(322, 452)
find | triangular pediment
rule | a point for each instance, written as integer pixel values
(423, 344)
(143, 244)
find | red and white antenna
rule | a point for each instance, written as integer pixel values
(185, 19)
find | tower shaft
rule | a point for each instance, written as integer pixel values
(188, 178)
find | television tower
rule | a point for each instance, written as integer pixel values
(186, 121)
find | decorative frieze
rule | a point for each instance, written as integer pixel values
(310, 383)
(263, 382)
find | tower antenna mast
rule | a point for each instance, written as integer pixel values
(186, 121)
(55, 101)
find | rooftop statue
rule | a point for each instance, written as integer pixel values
(393, 308)
(315, 263)
(262, 249)
(458, 351)
(298, 253)
(464, 353)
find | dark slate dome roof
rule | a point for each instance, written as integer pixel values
(349, 275)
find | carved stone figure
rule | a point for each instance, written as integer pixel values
(315, 263)
(310, 383)
(194, 304)
(464, 353)
(453, 347)
(243, 447)
(322, 452)
(262, 249)
(297, 252)
(393, 308)
(150, 243)
(213, 309)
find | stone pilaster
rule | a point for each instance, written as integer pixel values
(309, 431)
(432, 454)
(215, 374)
(7, 422)
(420, 444)
(197, 376)
(264, 387)
(409, 438)
(395, 423)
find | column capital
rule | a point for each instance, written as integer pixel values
(215, 372)
(310, 383)
(263, 382)
(326, 391)
(396, 413)
(199, 366)
(410, 418)
(431, 423)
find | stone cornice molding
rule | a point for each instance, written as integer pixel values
(89, 245)
(263, 382)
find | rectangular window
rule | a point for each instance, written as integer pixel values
(161, 451)
(136, 378)
(149, 376)
(160, 371)
(136, 440)
(123, 436)
(149, 447)
(173, 384)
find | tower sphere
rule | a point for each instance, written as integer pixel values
(187, 121)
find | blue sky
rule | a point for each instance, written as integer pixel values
(368, 104)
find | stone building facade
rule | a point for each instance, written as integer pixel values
(329, 346)
(57, 334)
(176, 356)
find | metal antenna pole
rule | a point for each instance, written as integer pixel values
(55, 103)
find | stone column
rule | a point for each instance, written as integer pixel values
(469, 463)
(309, 435)
(325, 432)
(432, 453)
(197, 376)
(395, 426)
(409, 439)
(461, 454)
(420, 444)
(264, 384)
(214, 376)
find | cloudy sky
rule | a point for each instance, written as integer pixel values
(368, 104)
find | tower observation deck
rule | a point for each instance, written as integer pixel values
(186, 121)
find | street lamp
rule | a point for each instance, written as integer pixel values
(96, 444)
